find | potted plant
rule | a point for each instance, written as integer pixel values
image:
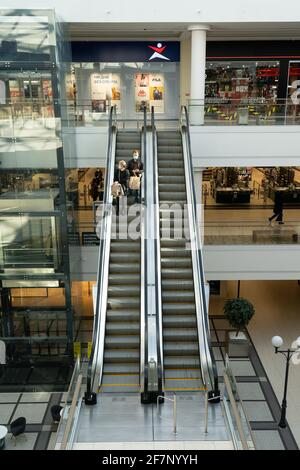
(238, 312)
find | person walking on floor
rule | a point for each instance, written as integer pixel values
(278, 208)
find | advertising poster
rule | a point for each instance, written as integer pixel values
(14, 90)
(106, 90)
(157, 92)
(2, 92)
(70, 86)
(149, 91)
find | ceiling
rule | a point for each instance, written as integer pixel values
(173, 31)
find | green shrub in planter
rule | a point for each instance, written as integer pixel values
(238, 312)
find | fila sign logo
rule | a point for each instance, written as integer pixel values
(158, 50)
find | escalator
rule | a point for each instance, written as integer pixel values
(114, 365)
(188, 360)
(122, 334)
(181, 350)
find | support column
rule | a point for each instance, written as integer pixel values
(198, 63)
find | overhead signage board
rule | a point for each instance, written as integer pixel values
(125, 51)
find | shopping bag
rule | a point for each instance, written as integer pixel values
(134, 182)
(116, 189)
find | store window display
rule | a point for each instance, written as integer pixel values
(250, 186)
(242, 80)
(231, 185)
(129, 86)
(235, 88)
(293, 92)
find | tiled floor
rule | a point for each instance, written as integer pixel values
(277, 312)
(40, 430)
(115, 420)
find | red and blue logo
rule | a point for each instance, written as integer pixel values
(158, 50)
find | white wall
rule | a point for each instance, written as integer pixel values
(252, 262)
(211, 146)
(245, 146)
(167, 11)
(220, 262)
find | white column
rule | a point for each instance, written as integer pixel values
(198, 61)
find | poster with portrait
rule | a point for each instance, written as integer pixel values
(106, 91)
(70, 86)
(157, 92)
(149, 91)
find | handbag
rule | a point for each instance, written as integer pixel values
(134, 182)
(116, 189)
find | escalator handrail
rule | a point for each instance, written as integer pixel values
(143, 322)
(103, 254)
(208, 367)
(158, 296)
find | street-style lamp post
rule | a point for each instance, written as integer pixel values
(277, 342)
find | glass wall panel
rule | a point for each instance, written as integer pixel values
(28, 242)
(129, 86)
(35, 279)
(242, 80)
(293, 92)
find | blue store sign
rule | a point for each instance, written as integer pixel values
(127, 51)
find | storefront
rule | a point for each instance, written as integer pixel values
(239, 80)
(130, 75)
(249, 186)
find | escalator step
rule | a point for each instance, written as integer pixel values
(126, 291)
(125, 278)
(182, 334)
(178, 321)
(180, 348)
(130, 268)
(121, 303)
(122, 341)
(176, 362)
(122, 328)
(121, 356)
(183, 284)
(179, 296)
(122, 315)
(176, 262)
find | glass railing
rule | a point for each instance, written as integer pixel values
(234, 412)
(247, 111)
(70, 413)
(218, 232)
(250, 232)
(21, 118)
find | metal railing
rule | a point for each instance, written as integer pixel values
(95, 367)
(69, 416)
(207, 361)
(237, 421)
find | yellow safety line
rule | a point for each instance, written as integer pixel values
(120, 373)
(182, 378)
(120, 385)
(185, 388)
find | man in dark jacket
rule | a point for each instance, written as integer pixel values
(278, 208)
(135, 167)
